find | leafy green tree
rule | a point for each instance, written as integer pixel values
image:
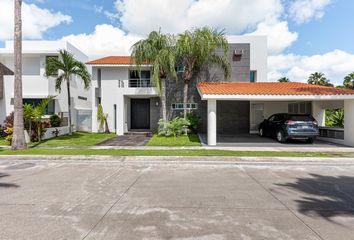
(35, 114)
(318, 78)
(63, 69)
(283, 79)
(28, 115)
(159, 51)
(349, 81)
(196, 49)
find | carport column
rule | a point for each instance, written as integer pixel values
(349, 122)
(212, 122)
(319, 113)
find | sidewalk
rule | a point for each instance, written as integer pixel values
(246, 148)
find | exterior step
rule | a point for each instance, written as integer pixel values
(142, 133)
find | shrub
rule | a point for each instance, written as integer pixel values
(2, 131)
(194, 121)
(55, 120)
(9, 120)
(9, 131)
(175, 127)
(335, 118)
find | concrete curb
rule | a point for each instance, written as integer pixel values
(209, 160)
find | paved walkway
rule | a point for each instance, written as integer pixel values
(117, 200)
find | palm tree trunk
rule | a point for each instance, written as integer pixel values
(69, 105)
(185, 98)
(18, 139)
(163, 99)
(106, 126)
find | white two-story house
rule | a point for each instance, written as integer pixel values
(133, 104)
(36, 86)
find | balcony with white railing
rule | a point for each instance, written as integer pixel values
(137, 86)
(140, 83)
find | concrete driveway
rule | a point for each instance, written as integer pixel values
(115, 200)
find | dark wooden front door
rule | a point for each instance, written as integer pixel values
(140, 114)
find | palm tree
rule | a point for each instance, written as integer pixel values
(18, 140)
(102, 119)
(318, 78)
(195, 50)
(284, 79)
(63, 69)
(159, 51)
(349, 81)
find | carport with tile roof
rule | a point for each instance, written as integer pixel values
(273, 93)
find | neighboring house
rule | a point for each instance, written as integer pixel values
(37, 87)
(133, 104)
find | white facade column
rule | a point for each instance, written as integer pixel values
(349, 122)
(212, 122)
(319, 113)
(120, 115)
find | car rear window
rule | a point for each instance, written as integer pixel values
(301, 118)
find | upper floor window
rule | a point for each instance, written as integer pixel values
(99, 78)
(139, 79)
(253, 76)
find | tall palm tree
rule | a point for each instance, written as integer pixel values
(349, 81)
(18, 140)
(318, 78)
(284, 79)
(63, 69)
(196, 49)
(157, 49)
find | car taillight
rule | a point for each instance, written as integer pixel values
(290, 122)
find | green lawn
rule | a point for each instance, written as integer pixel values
(77, 139)
(4, 142)
(190, 140)
(180, 152)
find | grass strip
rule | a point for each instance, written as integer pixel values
(180, 141)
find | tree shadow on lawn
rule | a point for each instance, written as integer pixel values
(327, 196)
(7, 185)
(194, 138)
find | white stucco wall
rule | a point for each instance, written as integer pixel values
(348, 122)
(35, 84)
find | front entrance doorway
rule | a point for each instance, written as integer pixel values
(140, 114)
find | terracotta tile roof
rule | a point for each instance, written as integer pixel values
(269, 88)
(112, 60)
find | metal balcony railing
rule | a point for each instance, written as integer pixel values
(139, 82)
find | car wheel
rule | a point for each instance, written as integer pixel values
(261, 132)
(280, 136)
(310, 140)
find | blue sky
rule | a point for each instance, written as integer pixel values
(332, 31)
(304, 34)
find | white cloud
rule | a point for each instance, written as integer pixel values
(236, 16)
(106, 40)
(279, 36)
(35, 20)
(302, 11)
(335, 64)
